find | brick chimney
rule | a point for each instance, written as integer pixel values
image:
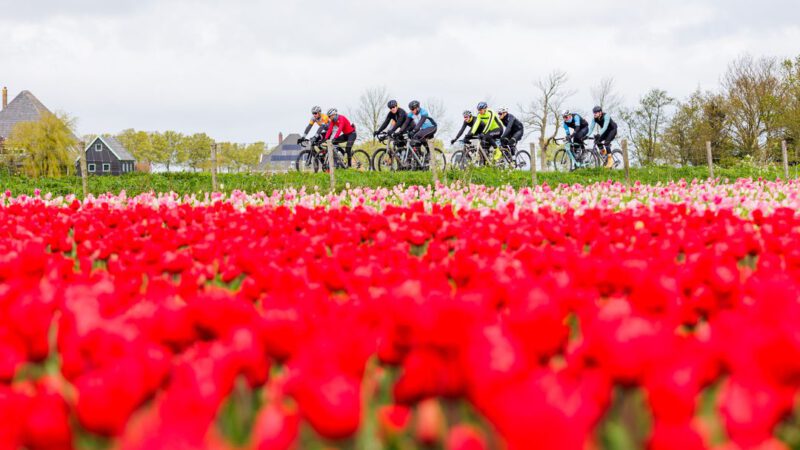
(280, 138)
(5, 97)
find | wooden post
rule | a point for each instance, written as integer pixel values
(84, 170)
(332, 164)
(214, 167)
(626, 161)
(542, 155)
(710, 160)
(534, 180)
(434, 159)
(785, 151)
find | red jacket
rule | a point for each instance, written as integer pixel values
(342, 125)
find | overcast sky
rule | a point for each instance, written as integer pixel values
(245, 70)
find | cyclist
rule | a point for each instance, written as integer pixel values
(342, 130)
(607, 134)
(397, 117)
(579, 125)
(514, 129)
(424, 127)
(469, 121)
(492, 126)
(318, 118)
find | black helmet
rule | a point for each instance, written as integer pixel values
(596, 110)
(392, 104)
(482, 105)
(413, 105)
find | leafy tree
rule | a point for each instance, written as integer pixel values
(697, 120)
(138, 143)
(49, 145)
(197, 150)
(166, 148)
(645, 125)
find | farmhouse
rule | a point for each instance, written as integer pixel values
(105, 155)
(24, 108)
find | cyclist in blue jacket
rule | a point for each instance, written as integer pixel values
(607, 134)
(424, 126)
(577, 124)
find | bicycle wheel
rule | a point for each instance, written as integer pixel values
(460, 160)
(562, 162)
(384, 162)
(619, 162)
(591, 159)
(522, 160)
(306, 162)
(439, 160)
(361, 161)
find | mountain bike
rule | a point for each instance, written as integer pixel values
(314, 157)
(504, 157)
(400, 155)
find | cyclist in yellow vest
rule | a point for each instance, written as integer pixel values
(492, 126)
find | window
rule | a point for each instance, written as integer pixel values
(106, 167)
(98, 147)
(91, 168)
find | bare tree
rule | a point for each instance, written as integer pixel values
(438, 111)
(371, 109)
(552, 92)
(754, 89)
(605, 95)
(551, 95)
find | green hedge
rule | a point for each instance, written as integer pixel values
(183, 183)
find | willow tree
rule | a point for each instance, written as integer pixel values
(49, 145)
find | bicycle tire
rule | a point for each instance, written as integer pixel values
(306, 162)
(460, 160)
(386, 162)
(619, 161)
(360, 161)
(523, 160)
(443, 159)
(562, 162)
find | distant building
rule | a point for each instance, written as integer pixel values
(105, 155)
(24, 108)
(282, 157)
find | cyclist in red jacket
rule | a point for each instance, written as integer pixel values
(342, 131)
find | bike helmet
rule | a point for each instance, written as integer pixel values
(316, 110)
(467, 114)
(333, 112)
(413, 105)
(597, 109)
(566, 113)
(482, 105)
(502, 110)
(392, 104)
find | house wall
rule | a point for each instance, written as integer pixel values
(104, 156)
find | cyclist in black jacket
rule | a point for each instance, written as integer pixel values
(397, 117)
(514, 129)
(469, 122)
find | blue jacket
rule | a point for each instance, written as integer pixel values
(422, 119)
(576, 123)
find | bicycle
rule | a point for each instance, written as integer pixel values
(577, 157)
(315, 157)
(400, 155)
(474, 155)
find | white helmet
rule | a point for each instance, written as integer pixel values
(316, 110)
(502, 110)
(333, 112)
(566, 113)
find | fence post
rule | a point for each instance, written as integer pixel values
(542, 155)
(785, 151)
(433, 159)
(626, 161)
(84, 170)
(332, 164)
(534, 180)
(214, 167)
(710, 160)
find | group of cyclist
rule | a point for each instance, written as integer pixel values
(488, 126)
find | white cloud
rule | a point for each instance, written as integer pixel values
(245, 70)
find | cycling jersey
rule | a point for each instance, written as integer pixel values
(605, 123)
(422, 120)
(322, 120)
(340, 126)
(513, 126)
(467, 124)
(577, 123)
(399, 119)
(490, 122)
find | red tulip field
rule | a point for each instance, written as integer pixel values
(461, 318)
